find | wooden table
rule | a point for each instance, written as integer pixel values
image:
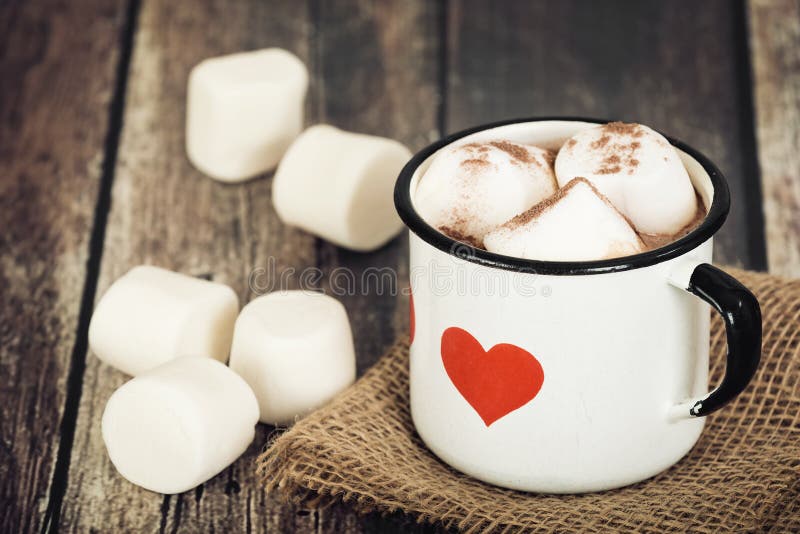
(94, 179)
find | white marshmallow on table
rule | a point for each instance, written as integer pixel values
(637, 169)
(178, 425)
(575, 224)
(151, 315)
(243, 110)
(295, 349)
(470, 189)
(339, 185)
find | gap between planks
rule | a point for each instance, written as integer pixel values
(58, 485)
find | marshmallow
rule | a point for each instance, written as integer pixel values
(338, 185)
(576, 224)
(295, 349)
(243, 111)
(152, 315)
(178, 425)
(637, 169)
(470, 189)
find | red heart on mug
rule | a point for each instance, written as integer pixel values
(494, 382)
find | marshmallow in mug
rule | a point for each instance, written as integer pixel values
(470, 189)
(637, 169)
(178, 425)
(151, 315)
(295, 349)
(243, 110)
(338, 185)
(576, 224)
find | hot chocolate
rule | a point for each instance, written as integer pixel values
(609, 191)
(654, 241)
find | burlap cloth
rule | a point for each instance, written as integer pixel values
(743, 475)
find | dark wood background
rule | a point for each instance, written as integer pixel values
(94, 179)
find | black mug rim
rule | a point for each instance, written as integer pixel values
(717, 213)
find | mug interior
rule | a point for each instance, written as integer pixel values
(551, 134)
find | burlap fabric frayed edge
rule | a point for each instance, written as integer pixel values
(743, 475)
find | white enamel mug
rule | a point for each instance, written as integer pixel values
(567, 377)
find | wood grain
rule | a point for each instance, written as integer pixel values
(407, 70)
(166, 213)
(386, 84)
(672, 65)
(376, 67)
(54, 109)
(775, 46)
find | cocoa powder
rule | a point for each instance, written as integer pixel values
(515, 151)
(619, 151)
(654, 241)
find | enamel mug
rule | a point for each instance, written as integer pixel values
(568, 377)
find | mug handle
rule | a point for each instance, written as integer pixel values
(742, 315)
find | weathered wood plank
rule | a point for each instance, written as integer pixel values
(54, 110)
(166, 213)
(677, 66)
(376, 65)
(775, 46)
(377, 69)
